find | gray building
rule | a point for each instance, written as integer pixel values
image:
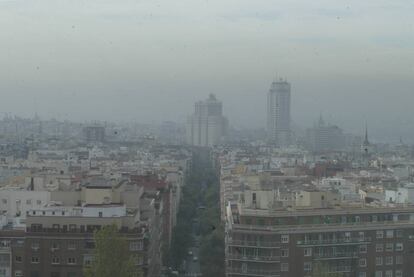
(325, 137)
(278, 113)
(207, 126)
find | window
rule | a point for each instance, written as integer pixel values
(388, 273)
(399, 246)
(389, 234)
(18, 259)
(285, 238)
(55, 246)
(72, 227)
(379, 247)
(244, 268)
(378, 261)
(39, 202)
(398, 273)
(18, 273)
(399, 234)
(307, 252)
(378, 273)
(361, 236)
(135, 245)
(71, 245)
(29, 202)
(380, 234)
(307, 266)
(55, 260)
(284, 267)
(72, 260)
(284, 253)
(389, 247)
(399, 260)
(139, 260)
(363, 248)
(362, 262)
(4, 201)
(35, 260)
(389, 260)
(362, 274)
(35, 245)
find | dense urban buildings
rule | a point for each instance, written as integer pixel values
(278, 113)
(53, 200)
(290, 216)
(207, 126)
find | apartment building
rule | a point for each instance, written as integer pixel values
(317, 235)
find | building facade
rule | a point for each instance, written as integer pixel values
(278, 113)
(325, 137)
(319, 241)
(207, 126)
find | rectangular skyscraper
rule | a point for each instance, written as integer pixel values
(278, 113)
(207, 126)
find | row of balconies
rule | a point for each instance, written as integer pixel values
(134, 231)
(246, 243)
(335, 241)
(252, 258)
(252, 272)
(335, 255)
(322, 226)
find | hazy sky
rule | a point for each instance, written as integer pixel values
(149, 60)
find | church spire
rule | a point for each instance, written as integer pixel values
(366, 141)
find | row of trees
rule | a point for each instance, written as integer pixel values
(113, 258)
(211, 229)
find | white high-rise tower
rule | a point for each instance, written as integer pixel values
(278, 113)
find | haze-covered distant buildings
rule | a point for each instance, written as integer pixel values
(325, 137)
(278, 113)
(207, 126)
(94, 133)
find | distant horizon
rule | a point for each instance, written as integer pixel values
(373, 138)
(149, 61)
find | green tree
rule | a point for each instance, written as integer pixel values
(111, 256)
(212, 254)
(322, 270)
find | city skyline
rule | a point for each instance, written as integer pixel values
(115, 61)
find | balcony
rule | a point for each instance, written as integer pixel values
(252, 272)
(251, 258)
(245, 243)
(332, 256)
(341, 241)
(5, 249)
